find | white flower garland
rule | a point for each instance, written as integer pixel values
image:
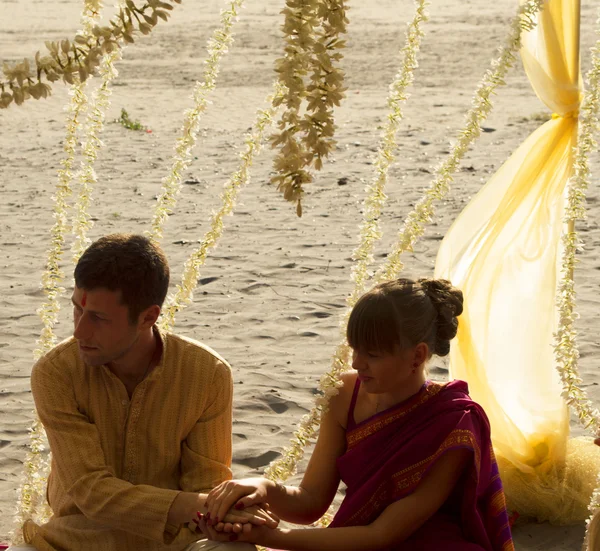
(422, 214)
(285, 466)
(566, 352)
(86, 176)
(189, 279)
(218, 46)
(31, 501)
(565, 346)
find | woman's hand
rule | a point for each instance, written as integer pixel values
(234, 520)
(240, 494)
(255, 515)
(236, 532)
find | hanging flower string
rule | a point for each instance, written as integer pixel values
(312, 30)
(31, 501)
(285, 466)
(66, 59)
(565, 345)
(189, 280)
(218, 46)
(53, 276)
(422, 214)
(32, 491)
(87, 178)
(370, 231)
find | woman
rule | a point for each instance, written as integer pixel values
(416, 456)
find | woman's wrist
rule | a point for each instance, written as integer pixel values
(273, 489)
(275, 537)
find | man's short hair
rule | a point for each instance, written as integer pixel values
(128, 263)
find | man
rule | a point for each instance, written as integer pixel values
(139, 421)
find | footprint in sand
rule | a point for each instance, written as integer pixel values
(254, 288)
(278, 406)
(320, 314)
(207, 280)
(258, 461)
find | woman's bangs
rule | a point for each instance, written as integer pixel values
(372, 325)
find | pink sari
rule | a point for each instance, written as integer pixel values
(388, 454)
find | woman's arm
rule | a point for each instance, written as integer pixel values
(300, 505)
(321, 478)
(395, 524)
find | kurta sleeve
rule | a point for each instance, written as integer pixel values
(206, 452)
(80, 464)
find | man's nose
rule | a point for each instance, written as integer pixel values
(82, 329)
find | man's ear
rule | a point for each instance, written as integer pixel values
(149, 316)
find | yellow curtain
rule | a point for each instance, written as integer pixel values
(503, 252)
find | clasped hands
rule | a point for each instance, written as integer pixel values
(237, 511)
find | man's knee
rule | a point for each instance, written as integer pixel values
(207, 545)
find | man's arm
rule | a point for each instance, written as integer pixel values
(81, 466)
(206, 450)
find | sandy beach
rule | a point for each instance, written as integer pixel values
(271, 295)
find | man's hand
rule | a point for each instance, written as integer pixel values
(235, 520)
(236, 532)
(255, 514)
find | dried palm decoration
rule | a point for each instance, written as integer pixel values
(80, 57)
(310, 74)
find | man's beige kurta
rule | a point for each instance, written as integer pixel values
(118, 464)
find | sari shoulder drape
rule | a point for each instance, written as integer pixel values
(388, 455)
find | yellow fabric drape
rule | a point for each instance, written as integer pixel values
(503, 252)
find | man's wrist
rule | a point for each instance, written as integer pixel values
(184, 507)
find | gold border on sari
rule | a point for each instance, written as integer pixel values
(360, 433)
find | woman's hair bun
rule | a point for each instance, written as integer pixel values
(448, 301)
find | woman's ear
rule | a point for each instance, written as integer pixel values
(421, 353)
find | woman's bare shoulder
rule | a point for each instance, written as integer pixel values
(340, 403)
